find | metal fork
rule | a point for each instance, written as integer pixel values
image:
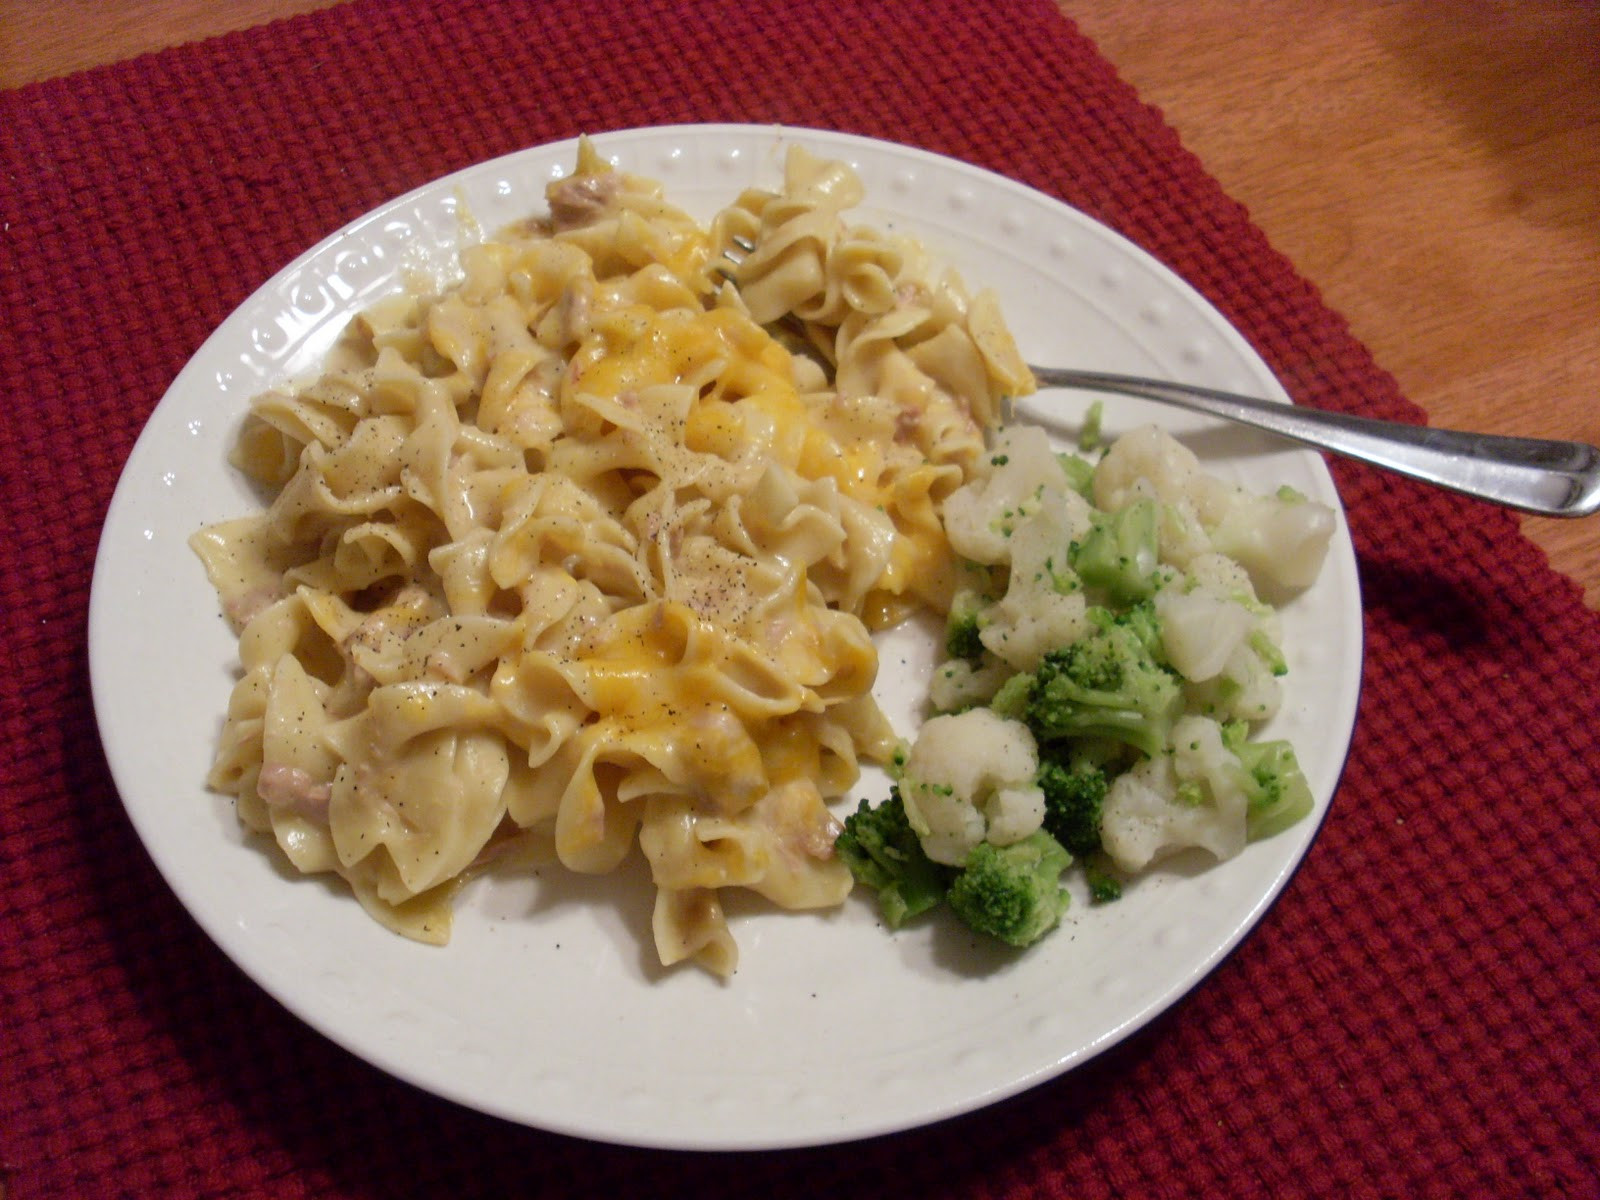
(1533, 475)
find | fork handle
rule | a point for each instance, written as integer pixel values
(1534, 475)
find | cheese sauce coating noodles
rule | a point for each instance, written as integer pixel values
(575, 555)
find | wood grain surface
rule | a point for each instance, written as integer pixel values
(1433, 167)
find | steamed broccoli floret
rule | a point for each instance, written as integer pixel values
(882, 851)
(1079, 472)
(1013, 892)
(1269, 653)
(1275, 788)
(1119, 553)
(1075, 786)
(1012, 699)
(1073, 797)
(1089, 433)
(1104, 884)
(1143, 622)
(961, 638)
(1108, 684)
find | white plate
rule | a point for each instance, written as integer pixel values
(545, 1008)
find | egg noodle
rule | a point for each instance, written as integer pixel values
(575, 554)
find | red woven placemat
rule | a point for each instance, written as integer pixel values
(1417, 1017)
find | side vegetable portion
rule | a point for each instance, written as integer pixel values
(1106, 672)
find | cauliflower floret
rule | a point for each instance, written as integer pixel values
(970, 778)
(1044, 607)
(1222, 639)
(1200, 631)
(1014, 813)
(982, 514)
(1280, 539)
(1181, 537)
(1246, 689)
(1220, 575)
(959, 684)
(1192, 796)
(1200, 756)
(1031, 622)
(1146, 461)
(1041, 538)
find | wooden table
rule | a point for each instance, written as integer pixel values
(1431, 167)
